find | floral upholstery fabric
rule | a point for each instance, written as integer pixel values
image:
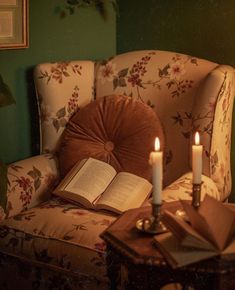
(167, 82)
(30, 182)
(220, 170)
(213, 117)
(62, 88)
(186, 92)
(182, 188)
(60, 236)
(59, 242)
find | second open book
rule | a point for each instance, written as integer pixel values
(211, 232)
(96, 184)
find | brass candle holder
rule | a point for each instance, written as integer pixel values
(196, 201)
(196, 196)
(152, 225)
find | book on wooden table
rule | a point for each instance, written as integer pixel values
(96, 184)
(210, 232)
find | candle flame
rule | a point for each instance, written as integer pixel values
(157, 144)
(197, 138)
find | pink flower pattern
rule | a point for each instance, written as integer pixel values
(176, 70)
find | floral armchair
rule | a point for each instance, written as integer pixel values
(48, 243)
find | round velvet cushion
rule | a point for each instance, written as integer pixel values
(115, 129)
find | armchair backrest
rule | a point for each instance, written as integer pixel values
(187, 93)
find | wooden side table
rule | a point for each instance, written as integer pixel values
(145, 267)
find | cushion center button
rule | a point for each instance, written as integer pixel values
(109, 146)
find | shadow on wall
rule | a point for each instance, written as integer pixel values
(33, 112)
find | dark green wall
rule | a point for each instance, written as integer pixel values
(84, 35)
(203, 28)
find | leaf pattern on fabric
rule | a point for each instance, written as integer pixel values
(26, 185)
(170, 75)
(59, 71)
(61, 117)
(26, 182)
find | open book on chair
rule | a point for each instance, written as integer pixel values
(96, 184)
(211, 232)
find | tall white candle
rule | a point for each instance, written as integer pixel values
(156, 162)
(197, 160)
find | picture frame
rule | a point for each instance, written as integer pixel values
(13, 24)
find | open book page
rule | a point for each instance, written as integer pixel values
(71, 174)
(184, 232)
(217, 215)
(126, 191)
(178, 255)
(198, 223)
(210, 221)
(230, 249)
(87, 182)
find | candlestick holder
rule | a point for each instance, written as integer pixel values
(152, 225)
(196, 195)
(196, 201)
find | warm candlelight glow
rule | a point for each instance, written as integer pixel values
(197, 139)
(157, 144)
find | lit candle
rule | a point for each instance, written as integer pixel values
(197, 160)
(155, 160)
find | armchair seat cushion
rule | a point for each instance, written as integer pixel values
(58, 235)
(115, 129)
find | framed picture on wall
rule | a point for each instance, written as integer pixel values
(13, 24)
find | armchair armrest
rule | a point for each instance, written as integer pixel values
(30, 182)
(182, 188)
(213, 118)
